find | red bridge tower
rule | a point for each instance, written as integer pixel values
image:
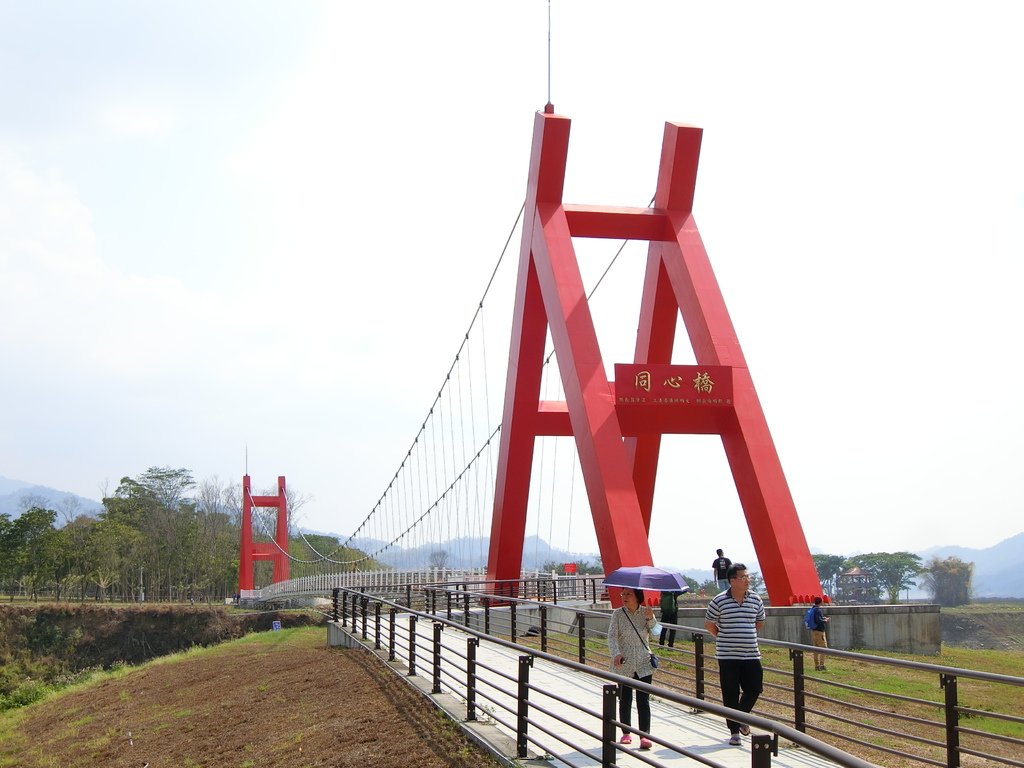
(618, 425)
(275, 551)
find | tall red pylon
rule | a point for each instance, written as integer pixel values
(618, 425)
(251, 551)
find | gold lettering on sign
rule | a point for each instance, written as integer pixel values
(703, 382)
(674, 381)
(643, 381)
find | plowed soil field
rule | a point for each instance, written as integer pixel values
(270, 699)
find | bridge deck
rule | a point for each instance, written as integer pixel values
(702, 734)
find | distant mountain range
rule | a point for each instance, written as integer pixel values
(997, 571)
(467, 553)
(16, 496)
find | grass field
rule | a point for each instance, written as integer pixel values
(268, 699)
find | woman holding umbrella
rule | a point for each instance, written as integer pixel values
(628, 631)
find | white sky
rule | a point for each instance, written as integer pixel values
(268, 225)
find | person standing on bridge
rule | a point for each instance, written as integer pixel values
(818, 620)
(628, 630)
(720, 567)
(669, 615)
(734, 618)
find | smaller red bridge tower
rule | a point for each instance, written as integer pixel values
(275, 551)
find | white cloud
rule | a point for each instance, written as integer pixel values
(863, 214)
(137, 119)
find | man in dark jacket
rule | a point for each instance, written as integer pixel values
(818, 620)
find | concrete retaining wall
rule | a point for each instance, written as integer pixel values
(901, 628)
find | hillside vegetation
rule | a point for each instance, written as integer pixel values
(270, 699)
(47, 646)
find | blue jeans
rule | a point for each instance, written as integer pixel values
(723, 584)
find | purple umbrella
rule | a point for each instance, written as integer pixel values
(647, 577)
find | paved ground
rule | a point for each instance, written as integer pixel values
(687, 735)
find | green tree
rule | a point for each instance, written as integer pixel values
(892, 572)
(65, 572)
(948, 581)
(829, 567)
(709, 587)
(109, 544)
(6, 552)
(37, 548)
(157, 506)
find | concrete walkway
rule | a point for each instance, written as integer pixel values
(688, 736)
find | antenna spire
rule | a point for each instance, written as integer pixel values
(549, 108)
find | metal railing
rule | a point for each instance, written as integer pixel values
(910, 728)
(514, 701)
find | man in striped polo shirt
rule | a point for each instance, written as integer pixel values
(734, 618)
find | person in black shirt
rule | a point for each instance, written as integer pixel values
(720, 567)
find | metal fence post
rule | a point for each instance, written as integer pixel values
(487, 617)
(438, 626)
(522, 719)
(581, 624)
(471, 644)
(334, 605)
(412, 645)
(408, 596)
(391, 633)
(376, 625)
(465, 605)
(544, 628)
(609, 699)
(698, 664)
(799, 700)
(762, 746)
(364, 604)
(512, 619)
(948, 683)
(448, 604)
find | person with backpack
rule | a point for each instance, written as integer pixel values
(669, 615)
(815, 620)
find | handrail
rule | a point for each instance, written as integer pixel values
(993, 677)
(810, 743)
(457, 595)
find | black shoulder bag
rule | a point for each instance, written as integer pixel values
(654, 659)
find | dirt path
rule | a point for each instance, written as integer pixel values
(277, 699)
